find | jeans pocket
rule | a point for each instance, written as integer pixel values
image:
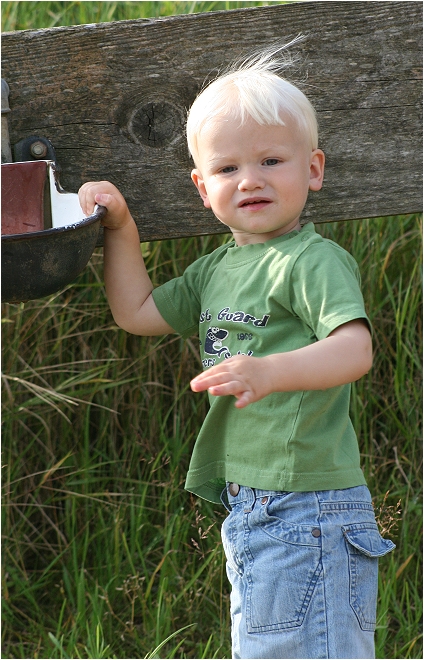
(282, 577)
(364, 545)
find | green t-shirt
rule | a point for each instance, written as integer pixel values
(257, 300)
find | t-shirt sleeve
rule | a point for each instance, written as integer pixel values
(178, 301)
(326, 288)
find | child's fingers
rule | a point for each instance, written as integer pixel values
(209, 379)
(104, 199)
(99, 192)
(232, 386)
(223, 384)
(105, 194)
(243, 400)
(86, 196)
(238, 376)
(237, 366)
(220, 374)
(109, 202)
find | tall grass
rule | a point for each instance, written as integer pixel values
(104, 554)
(31, 15)
(387, 413)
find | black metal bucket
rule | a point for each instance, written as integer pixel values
(38, 263)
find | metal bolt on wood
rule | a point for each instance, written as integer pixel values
(38, 150)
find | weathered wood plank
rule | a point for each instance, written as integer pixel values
(112, 98)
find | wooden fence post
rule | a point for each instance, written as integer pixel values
(112, 98)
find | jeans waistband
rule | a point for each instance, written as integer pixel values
(244, 494)
(236, 494)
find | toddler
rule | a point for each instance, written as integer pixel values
(283, 332)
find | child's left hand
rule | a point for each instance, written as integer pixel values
(242, 376)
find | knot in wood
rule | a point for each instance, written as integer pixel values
(156, 124)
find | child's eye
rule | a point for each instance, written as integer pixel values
(227, 170)
(271, 161)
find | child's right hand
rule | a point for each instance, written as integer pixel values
(105, 194)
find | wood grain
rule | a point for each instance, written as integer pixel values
(113, 97)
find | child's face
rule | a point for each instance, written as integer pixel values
(256, 178)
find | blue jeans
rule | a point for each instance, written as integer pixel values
(304, 570)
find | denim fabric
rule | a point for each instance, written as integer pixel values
(304, 571)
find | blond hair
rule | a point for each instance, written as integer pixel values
(253, 87)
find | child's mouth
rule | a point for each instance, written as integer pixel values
(254, 203)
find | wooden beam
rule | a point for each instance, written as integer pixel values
(112, 98)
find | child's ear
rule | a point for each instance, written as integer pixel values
(316, 172)
(196, 177)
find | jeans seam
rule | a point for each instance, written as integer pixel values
(324, 585)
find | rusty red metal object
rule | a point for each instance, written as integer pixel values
(23, 188)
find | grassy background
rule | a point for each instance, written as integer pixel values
(30, 15)
(104, 554)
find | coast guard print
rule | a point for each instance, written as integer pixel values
(216, 338)
(213, 342)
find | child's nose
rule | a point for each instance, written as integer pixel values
(251, 179)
